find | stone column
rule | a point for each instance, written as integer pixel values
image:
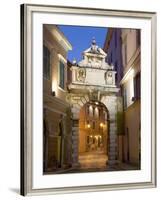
(75, 143)
(75, 138)
(112, 148)
(111, 104)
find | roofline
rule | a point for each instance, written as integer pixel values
(51, 28)
(108, 38)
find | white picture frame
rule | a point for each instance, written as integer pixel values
(32, 179)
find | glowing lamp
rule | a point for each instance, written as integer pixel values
(101, 124)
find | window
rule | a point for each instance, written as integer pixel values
(137, 38)
(46, 62)
(116, 78)
(137, 86)
(93, 125)
(90, 111)
(87, 110)
(124, 98)
(93, 111)
(61, 75)
(96, 112)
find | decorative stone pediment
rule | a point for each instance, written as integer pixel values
(94, 57)
(93, 68)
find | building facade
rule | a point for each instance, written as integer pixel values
(131, 91)
(56, 111)
(92, 105)
(123, 48)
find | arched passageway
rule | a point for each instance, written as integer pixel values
(93, 135)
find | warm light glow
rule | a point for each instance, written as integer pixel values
(101, 124)
(54, 85)
(90, 107)
(129, 74)
(96, 111)
(62, 58)
(131, 91)
(96, 103)
(90, 110)
(88, 125)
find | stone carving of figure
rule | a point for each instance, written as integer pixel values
(94, 47)
(109, 78)
(81, 75)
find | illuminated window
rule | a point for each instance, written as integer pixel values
(93, 125)
(90, 111)
(96, 112)
(46, 62)
(61, 75)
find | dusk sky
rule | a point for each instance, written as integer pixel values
(80, 38)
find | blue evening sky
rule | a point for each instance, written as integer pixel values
(80, 38)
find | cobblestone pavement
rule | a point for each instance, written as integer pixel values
(95, 161)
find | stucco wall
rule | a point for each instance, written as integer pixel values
(132, 126)
(55, 49)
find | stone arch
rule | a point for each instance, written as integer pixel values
(93, 128)
(110, 103)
